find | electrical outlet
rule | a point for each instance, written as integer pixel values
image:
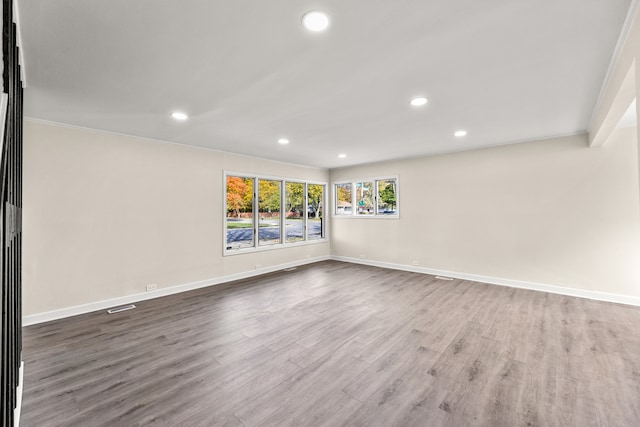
(152, 287)
(416, 263)
(258, 266)
(363, 256)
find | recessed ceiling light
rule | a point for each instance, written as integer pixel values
(460, 133)
(283, 141)
(315, 21)
(342, 156)
(179, 116)
(419, 101)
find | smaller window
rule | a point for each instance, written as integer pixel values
(343, 199)
(364, 198)
(386, 197)
(374, 197)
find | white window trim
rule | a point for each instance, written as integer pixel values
(256, 240)
(334, 198)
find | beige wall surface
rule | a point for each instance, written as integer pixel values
(104, 215)
(551, 212)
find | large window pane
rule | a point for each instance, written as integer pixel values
(269, 212)
(387, 197)
(364, 198)
(294, 212)
(239, 220)
(315, 202)
(343, 199)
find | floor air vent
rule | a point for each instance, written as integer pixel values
(290, 269)
(443, 278)
(119, 309)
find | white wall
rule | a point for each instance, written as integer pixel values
(551, 212)
(105, 215)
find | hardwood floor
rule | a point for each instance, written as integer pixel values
(333, 344)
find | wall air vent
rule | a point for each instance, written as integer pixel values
(119, 309)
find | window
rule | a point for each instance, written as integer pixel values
(267, 212)
(364, 198)
(239, 219)
(386, 197)
(343, 199)
(376, 197)
(315, 220)
(294, 212)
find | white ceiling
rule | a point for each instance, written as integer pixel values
(247, 72)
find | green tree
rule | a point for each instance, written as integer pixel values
(294, 196)
(269, 193)
(314, 198)
(388, 194)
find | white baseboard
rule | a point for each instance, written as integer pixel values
(129, 299)
(581, 293)
(16, 411)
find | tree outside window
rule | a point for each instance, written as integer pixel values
(387, 197)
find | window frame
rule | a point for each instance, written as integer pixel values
(336, 203)
(304, 209)
(323, 207)
(257, 247)
(280, 184)
(354, 197)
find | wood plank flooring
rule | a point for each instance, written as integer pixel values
(337, 344)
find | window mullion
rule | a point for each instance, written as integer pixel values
(256, 213)
(375, 197)
(283, 221)
(354, 198)
(305, 208)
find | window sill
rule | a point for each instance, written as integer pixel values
(365, 216)
(231, 252)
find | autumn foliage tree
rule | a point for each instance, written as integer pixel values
(239, 193)
(344, 195)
